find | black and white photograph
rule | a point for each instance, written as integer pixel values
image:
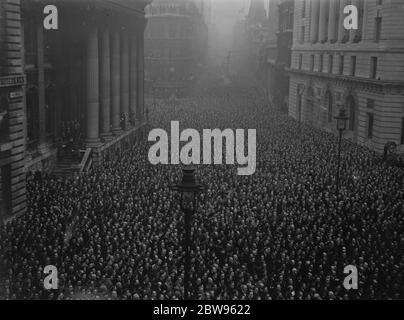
(219, 152)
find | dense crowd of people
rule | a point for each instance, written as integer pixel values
(282, 233)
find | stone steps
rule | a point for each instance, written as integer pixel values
(66, 167)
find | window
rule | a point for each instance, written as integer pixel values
(303, 8)
(353, 66)
(330, 63)
(352, 113)
(329, 101)
(373, 67)
(299, 104)
(302, 34)
(370, 125)
(402, 131)
(378, 28)
(300, 61)
(312, 62)
(341, 64)
(370, 103)
(320, 63)
(3, 113)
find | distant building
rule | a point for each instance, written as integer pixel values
(238, 58)
(279, 51)
(257, 32)
(176, 45)
(359, 70)
(205, 7)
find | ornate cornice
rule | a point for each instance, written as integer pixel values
(379, 86)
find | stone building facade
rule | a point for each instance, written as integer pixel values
(279, 51)
(257, 33)
(12, 119)
(88, 73)
(85, 77)
(361, 70)
(176, 45)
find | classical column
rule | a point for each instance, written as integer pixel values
(92, 86)
(332, 17)
(71, 113)
(323, 21)
(125, 76)
(342, 32)
(365, 17)
(133, 78)
(41, 85)
(60, 89)
(353, 33)
(140, 77)
(105, 85)
(116, 81)
(24, 88)
(314, 19)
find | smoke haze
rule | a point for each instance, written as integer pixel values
(225, 13)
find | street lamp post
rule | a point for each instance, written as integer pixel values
(189, 189)
(341, 127)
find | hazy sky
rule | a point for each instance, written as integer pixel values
(224, 15)
(226, 12)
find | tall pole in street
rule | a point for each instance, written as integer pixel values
(187, 244)
(189, 189)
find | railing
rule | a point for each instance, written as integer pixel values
(87, 161)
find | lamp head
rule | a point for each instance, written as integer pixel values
(189, 188)
(342, 120)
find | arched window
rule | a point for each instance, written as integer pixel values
(310, 104)
(300, 90)
(328, 101)
(352, 112)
